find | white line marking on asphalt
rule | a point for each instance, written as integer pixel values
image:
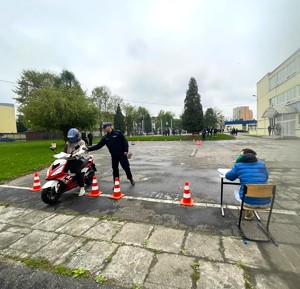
(204, 205)
(15, 187)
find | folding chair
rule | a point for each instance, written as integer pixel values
(258, 191)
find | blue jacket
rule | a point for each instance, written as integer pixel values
(249, 171)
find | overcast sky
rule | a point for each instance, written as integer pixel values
(146, 51)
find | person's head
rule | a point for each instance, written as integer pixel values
(244, 152)
(248, 151)
(107, 126)
(73, 135)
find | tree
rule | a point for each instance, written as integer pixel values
(68, 80)
(21, 124)
(140, 116)
(50, 104)
(106, 103)
(220, 117)
(147, 123)
(31, 80)
(192, 117)
(164, 119)
(129, 117)
(119, 122)
(210, 118)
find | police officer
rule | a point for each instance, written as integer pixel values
(117, 145)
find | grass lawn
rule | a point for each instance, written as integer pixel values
(20, 158)
(24, 157)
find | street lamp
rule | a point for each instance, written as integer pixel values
(142, 116)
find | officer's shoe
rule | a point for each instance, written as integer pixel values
(132, 182)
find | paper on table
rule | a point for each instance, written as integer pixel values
(223, 172)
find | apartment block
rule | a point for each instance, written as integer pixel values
(242, 113)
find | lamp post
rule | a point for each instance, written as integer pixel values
(142, 116)
(254, 95)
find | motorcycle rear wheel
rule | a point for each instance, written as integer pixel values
(50, 196)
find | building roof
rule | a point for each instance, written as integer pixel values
(271, 112)
(7, 104)
(240, 122)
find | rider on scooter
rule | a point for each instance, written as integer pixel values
(76, 147)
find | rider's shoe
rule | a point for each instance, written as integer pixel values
(132, 182)
(81, 192)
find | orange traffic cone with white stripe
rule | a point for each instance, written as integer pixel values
(186, 200)
(95, 190)
(117, 191)
(36, 183)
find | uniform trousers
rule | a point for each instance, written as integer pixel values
(123, 160)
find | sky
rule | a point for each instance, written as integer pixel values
(146, 51)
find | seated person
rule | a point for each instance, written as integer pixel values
(249, 171)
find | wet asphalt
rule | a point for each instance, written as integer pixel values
(160, 170)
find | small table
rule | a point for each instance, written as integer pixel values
(222, 173)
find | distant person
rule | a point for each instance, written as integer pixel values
(249, 171)
(83, 137)
(204, 134)
(269, 129)
(90, 137)
(117, 145)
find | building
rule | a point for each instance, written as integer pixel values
(7, 118)
(278, 99)
(242, 113)
(241, 125)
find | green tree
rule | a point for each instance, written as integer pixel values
(106, 103)
(220, 117)
(119, 121)
(192, 117)
(68, 80)
(129, 112)
(54, 102)
(139, 118)
(164, 119)
(32, 80)
(210, 118)
(21, 124)
(147, 123)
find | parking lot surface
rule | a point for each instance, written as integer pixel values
(171, 233)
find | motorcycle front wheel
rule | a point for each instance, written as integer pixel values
(50, 196)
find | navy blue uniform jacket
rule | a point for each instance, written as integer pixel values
(115, 141)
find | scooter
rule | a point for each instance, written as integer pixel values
(61, 181)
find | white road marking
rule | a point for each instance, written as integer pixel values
(164, 201)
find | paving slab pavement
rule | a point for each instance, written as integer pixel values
(146, 256)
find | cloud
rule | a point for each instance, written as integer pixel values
(147, 51)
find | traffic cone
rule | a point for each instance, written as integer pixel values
(95, 191)
(186, 200)
(36, 183)
(117, 191)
